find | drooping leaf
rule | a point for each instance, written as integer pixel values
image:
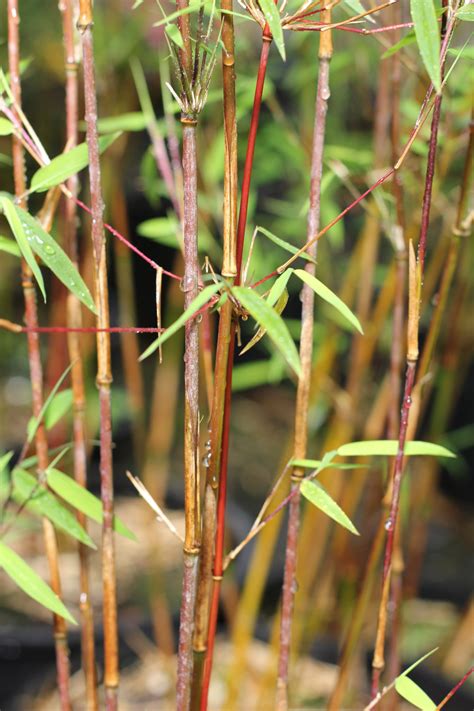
(174, 34)
(389, 448)
(466, 13)
(411, 691)
(325, 293)
(283, 244)
(319, 497)
(414, 694)
(427, 37)
(266, 317)
(42, 503)
(201, 300)
(82, 499)
(279, 308)
(66, 164)
(6, 127)
(9, 246)
(37, 420)
(272, 16)
(26, 579)
(278, 287)
(55, 258)
(405, 41)
(192, 7)
(58, 407)
(11, 213)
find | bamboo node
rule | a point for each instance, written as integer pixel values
(217, 578)
(189, 120)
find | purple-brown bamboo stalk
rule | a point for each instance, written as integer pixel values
(306, 357)
(77, 370)
(104, 374)
(416, 280)
(36, 370)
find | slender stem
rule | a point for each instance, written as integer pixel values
(104, 375)
(304, 382)
(77, 374)
(378, 661)
(36, 370)
(455, 689)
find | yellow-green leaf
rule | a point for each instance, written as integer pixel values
(272, 16)
(427, 37)
(66, 164)
(414, 694)
(82, 500)
(26, 579)
(389, 448)
(11, 213)
(9, 246)
(201, 300)
(325, 293)
(319, 497)
(267, 317)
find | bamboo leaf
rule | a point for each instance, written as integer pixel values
(201, 300)
(466, 13)
(160, 229)
(279, 287)
(192, 7)
(26, 579)
(55, 258)
(319, 464)
(413, 693)
(82, 500)
(427, 36)
(47, 403)
(278, 307)
(42, 503)
(319, 497)
(58, 407)
(389, 447)
(6, 127)
(13, 219)
(266, 317)
(66, 164)
(283, 244)
(325, 293)
(9, 246)
(272, 16)
(174, 34)
(131, 121)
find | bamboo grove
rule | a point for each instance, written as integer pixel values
(306, 172)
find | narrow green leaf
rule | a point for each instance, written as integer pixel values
(317, 464)
(160, 229)
(319, 497)
(132, 121)
(418, 661)
(427, 36)
(389, 447)
(466, 13)
(192, 7)
(201, 300)
(47, 403)
(325, 293)
(82, 500)
(6, 127)
(267, 317)
(60, 404)
(26, 579)
(42, 503)
(256, 373)
(283, 244)
(10, 246)
(55, 258)
(414, 694)
(4, 461)
(66, 164)
(409, 39)
(174, 34)
(278, 308)
(278, 287)
(272, 16)
(11, 213)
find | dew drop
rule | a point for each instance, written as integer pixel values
(49, 250)
(388, 524)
